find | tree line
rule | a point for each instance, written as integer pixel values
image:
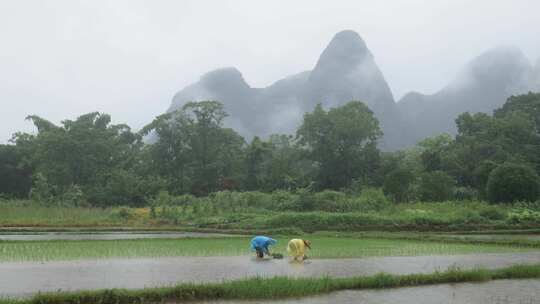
(189, 151)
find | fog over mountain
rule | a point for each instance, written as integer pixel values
(345, 71)
(482, 86)
(537, 74)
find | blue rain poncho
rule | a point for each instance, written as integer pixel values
(262, 243)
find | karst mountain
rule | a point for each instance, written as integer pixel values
(347, 70)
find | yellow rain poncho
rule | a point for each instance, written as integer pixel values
(296, 248)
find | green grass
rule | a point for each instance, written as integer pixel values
(261, 211)
(29, 214)
(515, 240)
(275, 288)
(323, 247)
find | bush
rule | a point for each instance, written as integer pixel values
(221, 198)
(371, 199)
(493, 213)
(123, 188)
(124, 213)
(73, 196)
(465, 194)
(473, 217)
(332, 201)
(163, 198)
(256, 199)
(397, 185)
(513, 182)
(283, 200)
(305, 201)
(182, 200)
(321, 221)
(170, 214)
(436, 186)
(41, 191)
(529, 205)
(523, 215)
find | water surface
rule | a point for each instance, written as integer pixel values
(493, 292)
(26, 278)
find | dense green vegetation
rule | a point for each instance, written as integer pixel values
(323, 247)
(280, 212)
(31, 214)
(89, 161)
(510, 182)
(278, 287)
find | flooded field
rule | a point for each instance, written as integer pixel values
(26, 278)
(71, 236)
(494, 292)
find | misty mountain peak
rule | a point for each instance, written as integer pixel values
(222, 77)
(214, 85)
(482, 85)
(347, 71)
(346, 49)
(537, 74)
(501, 55)
(500, 66)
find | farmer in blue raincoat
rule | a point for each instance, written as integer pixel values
(260, 245)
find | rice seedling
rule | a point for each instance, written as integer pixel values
(323, 247)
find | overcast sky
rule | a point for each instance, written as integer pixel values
(59, 59)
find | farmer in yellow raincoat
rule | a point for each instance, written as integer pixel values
(297, 248)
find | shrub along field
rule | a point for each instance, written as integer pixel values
(323, 247)
(285, 212)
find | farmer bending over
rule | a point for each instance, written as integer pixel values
(260, 245)
(297, 249)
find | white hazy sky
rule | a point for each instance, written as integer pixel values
(62, 58)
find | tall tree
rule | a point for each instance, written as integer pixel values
(194, 150)
(342, 141)
(79, 152)
(258, 154)
(528, 104)
(15, 174)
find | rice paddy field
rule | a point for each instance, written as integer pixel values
(85, 250)
(206, 266)
(323, 247)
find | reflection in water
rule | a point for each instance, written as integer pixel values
(31, 277)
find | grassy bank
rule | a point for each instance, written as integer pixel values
(279, 287)
(323, 247)
(257, 212)
(508, 239)
(31, 214)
